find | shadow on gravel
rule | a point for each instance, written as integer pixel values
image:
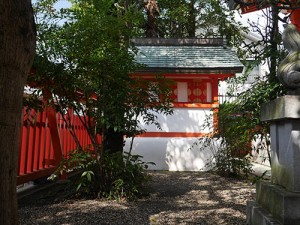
(175, 198)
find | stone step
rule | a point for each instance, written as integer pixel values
(283, 205)
(256, 215)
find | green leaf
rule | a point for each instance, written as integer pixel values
(84, 173)
(89, 177)
(78, 186)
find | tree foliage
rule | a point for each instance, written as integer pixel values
(85, 58)
(198, 18)
(266, 87)
(239, 121)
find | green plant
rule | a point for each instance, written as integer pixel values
(85, 180)
(124, 176)
(222, 161)
(82, 161)
(117, 176)
(230, 144)
(229, 165)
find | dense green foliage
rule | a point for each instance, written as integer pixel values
(119, 176)
(239, 121)
(198, 18)
(85, 55)
(230, 144)
(84, 58)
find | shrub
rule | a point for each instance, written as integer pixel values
(115, 176)
(124, 176)
(230, 144)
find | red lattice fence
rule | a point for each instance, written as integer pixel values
(43, 143)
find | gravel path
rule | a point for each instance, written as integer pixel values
(176, 198)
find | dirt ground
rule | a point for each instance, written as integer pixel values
(175, 198)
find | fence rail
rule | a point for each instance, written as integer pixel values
(37, 157)
(226, 98)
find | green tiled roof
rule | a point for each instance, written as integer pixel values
(190, 56)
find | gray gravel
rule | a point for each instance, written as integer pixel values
(176, 198)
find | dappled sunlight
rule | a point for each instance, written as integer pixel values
(207, 217)
(173, 147)
(174, 154)
(236, 195)
(182, 156)
(175, 198)
(200, 117)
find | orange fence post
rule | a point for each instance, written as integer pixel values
(52, 123)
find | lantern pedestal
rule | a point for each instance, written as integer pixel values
(278, 201)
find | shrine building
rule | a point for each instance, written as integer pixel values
(195, 66)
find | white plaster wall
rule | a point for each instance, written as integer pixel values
(173, 154)
(183, 120)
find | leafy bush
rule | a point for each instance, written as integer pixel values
(115, 176)
(123, 176)
(229, 165)
(238, 125)
(230, 144)
(222, 161)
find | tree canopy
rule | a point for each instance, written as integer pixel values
(198, 18)
(86, 49)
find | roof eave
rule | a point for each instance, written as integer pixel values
(220, 70)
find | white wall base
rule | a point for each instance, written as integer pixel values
(173, 154)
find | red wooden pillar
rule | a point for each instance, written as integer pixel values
(42, 140)
(52, 123)
(215, 97)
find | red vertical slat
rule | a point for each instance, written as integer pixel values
(60, 131)
(76, 128)
(35, 147)
(42, 140)
(26, 143)
(30, 147)
(51, 156)
(38, 147)
(52, 119)
(47, 144)
(67, 135)
(80, 134)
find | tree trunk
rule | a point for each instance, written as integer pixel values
(152, 13)
(192, 19)
(17, 46)
(113, 141)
